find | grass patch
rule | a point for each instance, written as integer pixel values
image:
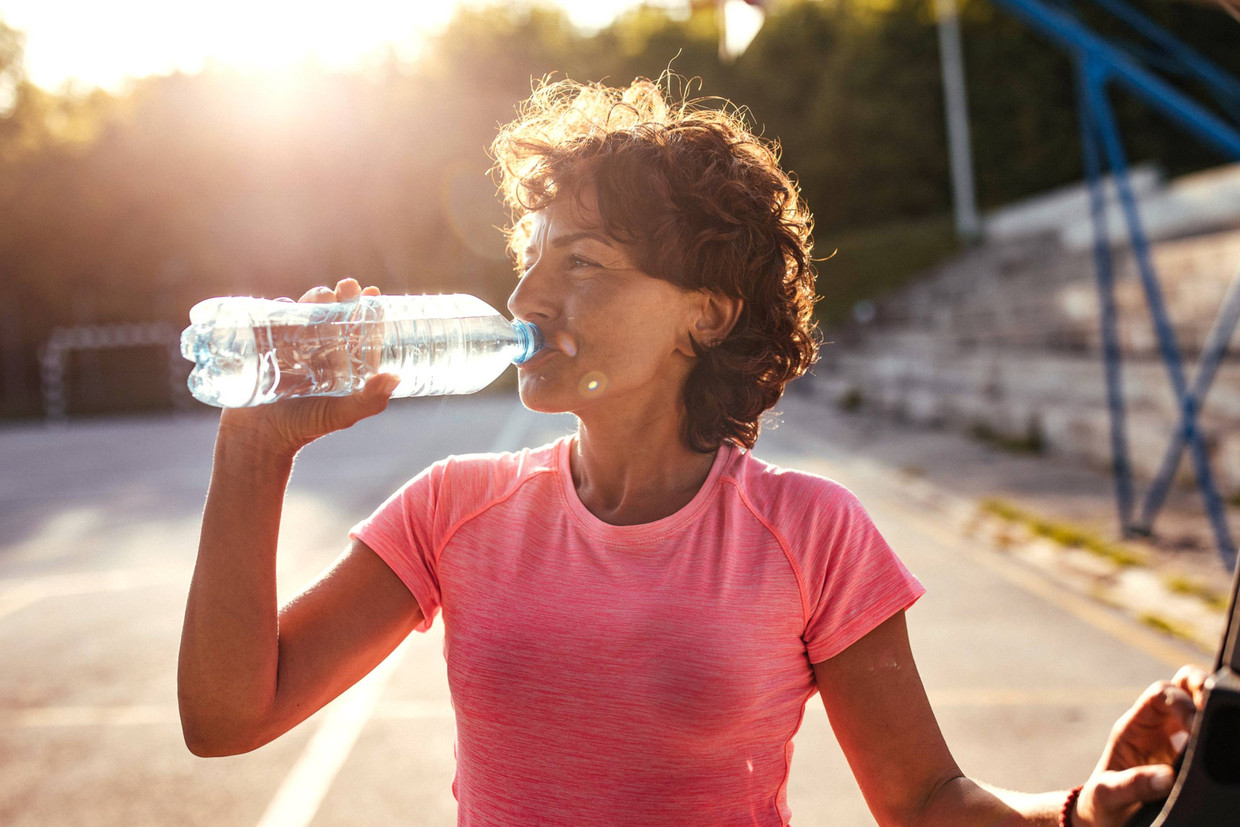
(1002, 509)
(1170, 627)
(1064, 534)
(873, 262)
(1183, 585)
(1030, 443)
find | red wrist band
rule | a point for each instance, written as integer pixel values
(1065, 814)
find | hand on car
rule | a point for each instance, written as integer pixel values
(1136, 765)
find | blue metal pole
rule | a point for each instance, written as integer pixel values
(1121, 468)
(1211, 357)
(1166, 336)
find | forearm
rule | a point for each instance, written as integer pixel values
(229, 643)
(963, 801)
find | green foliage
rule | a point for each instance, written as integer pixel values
(132, 207)
(1167, 626)
(1063, 534)
(1213, 598)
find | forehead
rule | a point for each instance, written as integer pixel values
(566, 215)
(563, 225)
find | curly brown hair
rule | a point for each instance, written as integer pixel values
(702, 203)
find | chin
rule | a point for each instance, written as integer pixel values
(539, 396)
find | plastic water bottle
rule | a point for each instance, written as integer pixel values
(251, 351)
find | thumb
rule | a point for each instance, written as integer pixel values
(374, 395)
(1118, 790)
(380, 389)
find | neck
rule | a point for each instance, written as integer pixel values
(637, 475)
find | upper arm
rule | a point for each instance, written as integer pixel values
(336, 631)
(883, 721)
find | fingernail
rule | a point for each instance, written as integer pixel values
(1162, 780)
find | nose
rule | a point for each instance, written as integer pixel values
(533, 299)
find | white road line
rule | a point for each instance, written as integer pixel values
(299, 797)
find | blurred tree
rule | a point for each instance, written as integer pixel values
(12, 67)
(132, 207)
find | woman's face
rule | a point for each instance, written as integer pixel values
(618, 340)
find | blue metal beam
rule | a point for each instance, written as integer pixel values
(1070, 34)
(1217, 80)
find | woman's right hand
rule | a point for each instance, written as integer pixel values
(285, 427)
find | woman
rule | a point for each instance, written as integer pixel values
(634, 616)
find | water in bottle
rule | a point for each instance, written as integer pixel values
(250, 351)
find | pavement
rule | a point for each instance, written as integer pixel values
(98, 526)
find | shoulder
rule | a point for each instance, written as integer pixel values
(788, 496)
(433, 504)
(478, 478)
(819, 523)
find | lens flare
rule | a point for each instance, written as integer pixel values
(593, 383)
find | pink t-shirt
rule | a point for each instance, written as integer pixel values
(649, 674)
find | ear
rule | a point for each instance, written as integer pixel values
(716, 316)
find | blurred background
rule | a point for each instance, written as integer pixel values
(152, 155)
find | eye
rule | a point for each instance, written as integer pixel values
(575, 261)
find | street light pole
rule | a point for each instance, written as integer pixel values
(951, 59)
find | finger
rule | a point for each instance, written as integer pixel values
(318, 294)
(375, 395)
(1115, 792)
(1180, 707)
(1160, 702)
(284, 299)
(1148, 709)
(384, 384)
(1192, 679)
(347, 290)
(371, 291)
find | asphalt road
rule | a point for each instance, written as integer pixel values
(98, 529)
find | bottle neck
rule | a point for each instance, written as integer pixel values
(529, 337)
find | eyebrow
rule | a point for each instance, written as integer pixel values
(561, 241)
(565, 240)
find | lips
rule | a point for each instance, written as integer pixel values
(559, 342)
(537, 359)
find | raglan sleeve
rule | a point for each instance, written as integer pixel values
(854, 580)
(403, 532)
